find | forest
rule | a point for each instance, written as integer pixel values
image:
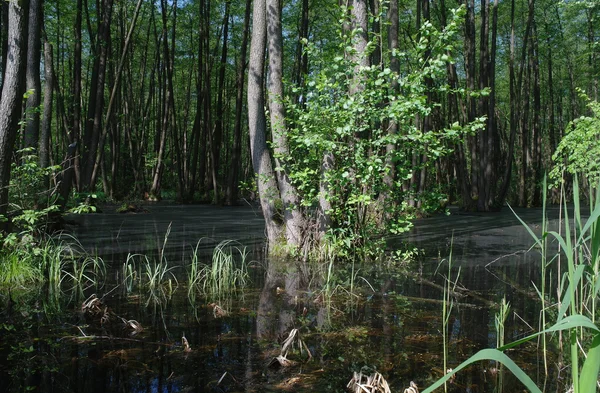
(377, 111)
(317, 134)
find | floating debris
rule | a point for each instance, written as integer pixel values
(374, 383)
(218, 311)
(96, 313)
(292, 341)
(186, 344)
(413, 388)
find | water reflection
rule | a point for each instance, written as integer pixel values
(392, 325)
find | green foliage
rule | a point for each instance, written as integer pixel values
(344, 112)
(578, 151)
(86, 202)
(29, 182)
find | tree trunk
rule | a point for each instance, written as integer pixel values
(96, 127)
(75, 134)
(219, 128)
(293, 219)
(12, 93)
(33, 83)
(3, 39)
(115, 89)
(261, 158)
(235, 167)
(44, 154)
(390, 175)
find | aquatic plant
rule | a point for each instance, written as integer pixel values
(447, 306)
(66, 262)
(227, 273)
(17, 272)
(499, 320)
(129, 274)
(576, 312)
(60, 262)
(158, 276)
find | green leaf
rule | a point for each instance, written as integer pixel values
(591, 367)
(489, 354)
(570, 322)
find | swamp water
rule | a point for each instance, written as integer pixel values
(391, 322)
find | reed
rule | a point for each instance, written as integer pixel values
(227, 273)
(450, 285)
(579, 244)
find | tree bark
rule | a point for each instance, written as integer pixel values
(96, 127)
(3, 39)
(12, 93)
(33, 83)
(232, 183)
(44, 153)
(293, 219)
(219, 127)
(113, 94)
(261, 158)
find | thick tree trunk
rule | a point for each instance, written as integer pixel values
(33, 83)
(293, 219)
(12, 92)
(261, 158)
(3, 39)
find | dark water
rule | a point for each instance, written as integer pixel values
(391, 322)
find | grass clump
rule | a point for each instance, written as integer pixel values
(58, 264)
(227, 272)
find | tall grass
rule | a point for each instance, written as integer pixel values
(575, 308)
(227, 273)
(447, 306)
(61, 263)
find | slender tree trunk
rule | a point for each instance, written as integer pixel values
(514, 99)
(301, 63)
(471, 102)
(44, 154)
(12, 93)
(75, 134)
(232, 183)
(390, 175)
(219, 128)
(33, 83)
(103, 43)
(113, 95)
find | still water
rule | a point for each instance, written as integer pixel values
(391, 321)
